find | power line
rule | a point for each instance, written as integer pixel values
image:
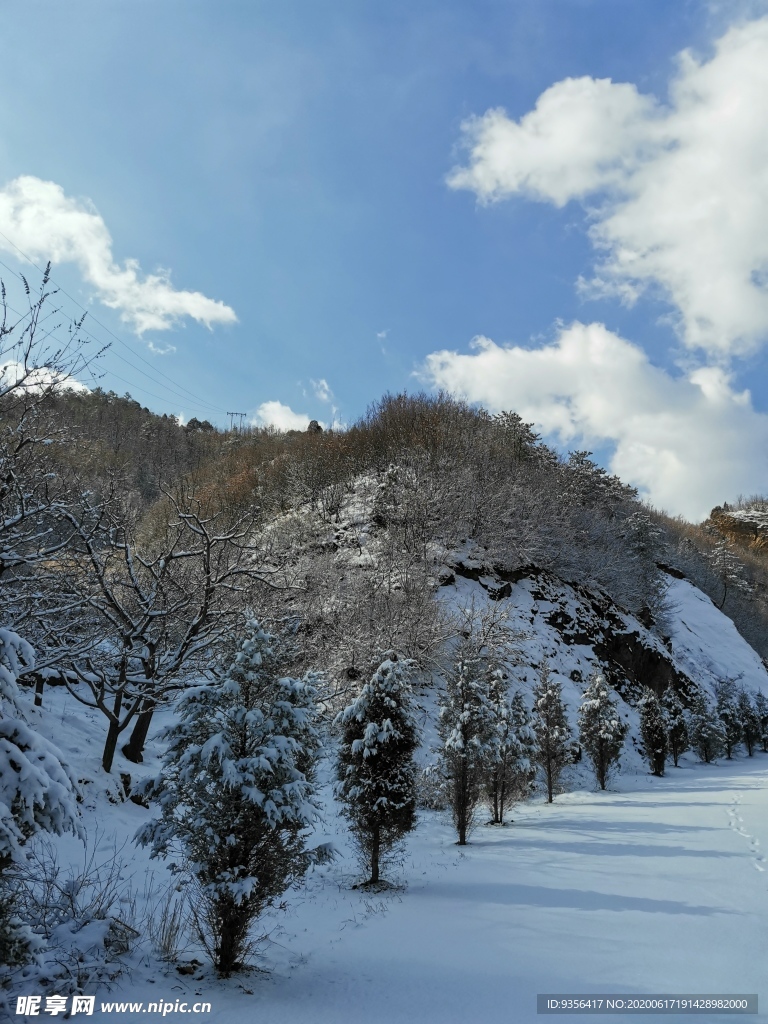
(135, 387)
(120, 341)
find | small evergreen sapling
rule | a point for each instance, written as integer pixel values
(510, 770)
(467, 730)
(601, 730)
(375, 768)
(750, 721)
(553, 734)
(236, 794)
(728, 713)
(706, 731)
(761, 710)
(677, 726)
(653, 729)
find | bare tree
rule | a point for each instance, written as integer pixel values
(33, 369)
(157, 604)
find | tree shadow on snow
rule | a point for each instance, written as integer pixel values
(514, 895)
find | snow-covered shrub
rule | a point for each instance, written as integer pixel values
(601, 730)
(466, 728)
(761, 711)
(676, 723)
(432, 792)
(375, 768)
(728, 713)
(38, 792)
(653, 729)
(553, 734)
(510, 769)
(80, 919)
(237, 796)
(750, 720)
(705, 729)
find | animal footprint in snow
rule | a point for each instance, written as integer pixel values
(737, 824)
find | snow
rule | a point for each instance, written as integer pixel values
(707, 645)
(655, 886)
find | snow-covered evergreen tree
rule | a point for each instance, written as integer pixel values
(761, 710)
(653, 729)
(677, 725)
(601, 729)
(750, 720)
(728, 713)
(237, 795)
(705, 729)
(375, 768)
(511, 770)
(38, 791)
(553, 734)
(467, 730)
(729, 570)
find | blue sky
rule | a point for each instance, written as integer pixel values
(335, 226)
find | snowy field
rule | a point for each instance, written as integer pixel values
(656, 886)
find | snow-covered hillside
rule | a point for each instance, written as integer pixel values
(658, 885)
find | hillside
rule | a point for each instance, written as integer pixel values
(424, 526)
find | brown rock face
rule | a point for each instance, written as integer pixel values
(746, 527)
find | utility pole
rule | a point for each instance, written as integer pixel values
(232, 415)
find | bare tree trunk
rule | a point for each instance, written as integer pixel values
(463, 799)
(375, 851)
(114, 731)
(134, 748)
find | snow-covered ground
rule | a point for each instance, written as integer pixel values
(656, 886)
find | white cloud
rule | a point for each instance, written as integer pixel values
(381, 335)
(46, 224)
(322, 390)
(688, 443)
(682, 187)
(275, 414)
(160, 350)
(12, 372)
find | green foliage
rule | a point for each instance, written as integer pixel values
(236, 794)
(677, 725)
(749, 719)
(511, 769)
(553, 734)
(705, 729)
(761, 711)
(729, 715)
(375, 768)
(467, 727)
(653, 728)
(601, 730)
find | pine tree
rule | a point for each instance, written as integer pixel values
(236, 794)
(510, 771)
(706, 731)
(601, 730)
(467, 730)
(375, 768)
(728, 713)
(553, 734)
(677, 726)
(653, 728)
(761, 710)
(750, 720)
